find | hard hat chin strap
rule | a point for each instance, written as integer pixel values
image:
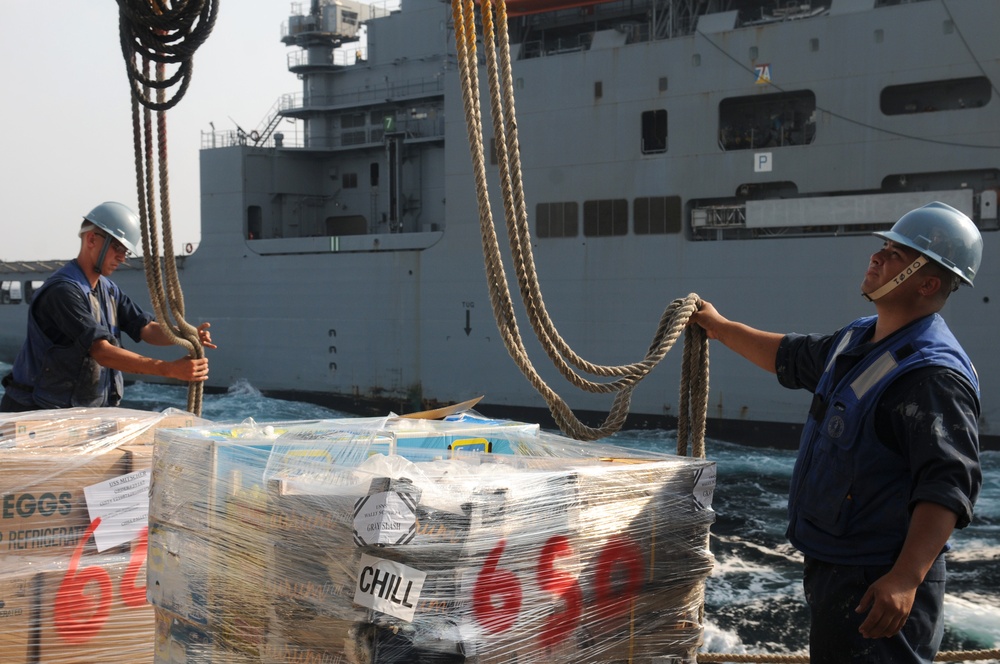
(103, 255)
(897, 280)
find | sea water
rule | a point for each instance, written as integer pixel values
(754, 601)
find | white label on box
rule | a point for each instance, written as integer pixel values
(384, 518)
(122, 504)
(389, 587)
(704, 486)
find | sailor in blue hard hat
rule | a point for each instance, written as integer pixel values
(72, 355)
(888, 462)
(941, 236)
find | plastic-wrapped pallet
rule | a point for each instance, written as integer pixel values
(73, 521)
(385, 541)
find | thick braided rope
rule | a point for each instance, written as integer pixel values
(160, 280)
(704, 657)
(672, 322)
(186, 333)
(944, 656)
(166, 32)
(968, 655)
(146, 25)
(693, 401)
(519, 235)
(508, 157)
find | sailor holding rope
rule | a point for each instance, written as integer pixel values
(72, 356)
(888, 463)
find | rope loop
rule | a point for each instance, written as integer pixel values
(624, 378)
(943, 656)
(158, 33)
(167, 33)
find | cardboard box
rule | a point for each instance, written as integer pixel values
(39, 432)
(278, 653)
(190, 482)
(303, 519)
(42, 505)
(179, 563)
(294, 627)
(15, 614)
(94, 610)
(178, 641)
(171, 420)
(140, 457)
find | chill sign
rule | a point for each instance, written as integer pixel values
(389, 587)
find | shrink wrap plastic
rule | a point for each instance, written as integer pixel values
(73, 535)
(388, 540)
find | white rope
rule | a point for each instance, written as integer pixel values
(674, 319)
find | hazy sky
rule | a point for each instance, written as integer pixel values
(65, 116)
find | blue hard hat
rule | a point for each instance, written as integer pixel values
(119, 222)
(944, 235)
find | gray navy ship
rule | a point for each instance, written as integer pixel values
(743, 150)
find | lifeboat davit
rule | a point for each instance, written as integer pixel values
(522, 7)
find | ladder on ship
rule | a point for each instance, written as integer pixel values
(272, 119)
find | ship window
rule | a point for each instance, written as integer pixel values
(350, 120)
(598, 89)
(359, 137)
(773, 120)
(929, 97)
(654, 131)
(657, 215)
(29, 289)
(354, 224)
(605, 218)
(10, 292)
(350, 180)
(373, 174)
(255, 222)
(557, 219)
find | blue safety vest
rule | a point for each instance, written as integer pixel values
(67, 376)
(850, 494)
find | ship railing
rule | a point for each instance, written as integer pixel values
(719, 216)
(275, 130)
(42, 267)
(341, 57)
(412, 128)
(280, 137)
(887, 3)
(640, 20)
(294, 137)
(273, 119)
(375, 93)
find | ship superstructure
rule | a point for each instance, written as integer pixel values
(742, 150)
